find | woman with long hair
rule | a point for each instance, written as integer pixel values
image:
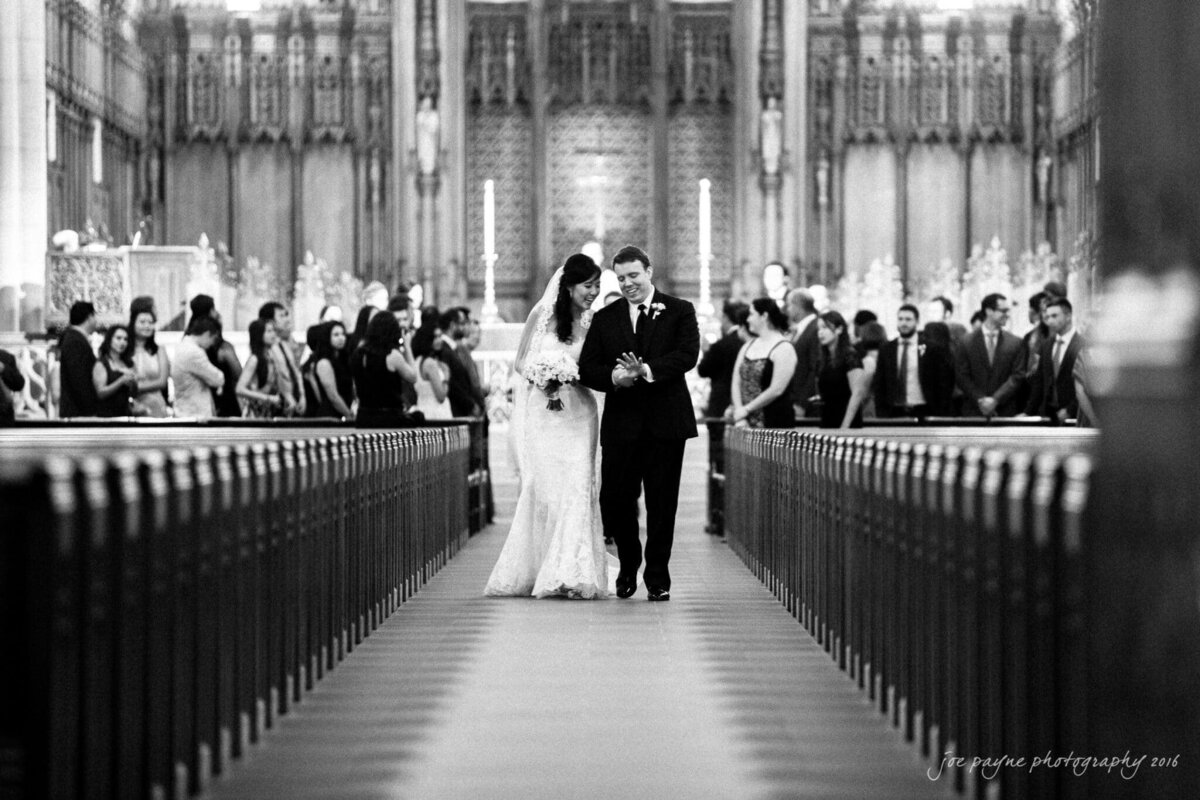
(113, 375)
(328, 370)
(871, 337)
(839, 379)
(380, 367)
(433, 374)
(555, 546)
(150, 364)
(762, 391)
(258, 385)
(359, 334)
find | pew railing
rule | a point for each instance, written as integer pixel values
(942, 570)
(166, 595)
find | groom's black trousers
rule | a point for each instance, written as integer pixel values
(625, 467)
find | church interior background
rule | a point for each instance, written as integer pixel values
(307, 148)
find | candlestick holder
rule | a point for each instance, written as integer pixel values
(704, 309)
(490, 311)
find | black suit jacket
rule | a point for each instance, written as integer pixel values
(662, 409)
(717, 366)
(935, 372)
(808, 364)
(78, 397)
(1001, 380)
(463, 400)
(1043, 385)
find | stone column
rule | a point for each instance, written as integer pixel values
(660, 184)
(23, 182)
(772, 124)
(536, 41)
(1141, 536)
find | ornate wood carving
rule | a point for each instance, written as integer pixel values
(600, 54)
(497, 61)
(701, 66)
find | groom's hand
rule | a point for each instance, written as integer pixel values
(622, 378)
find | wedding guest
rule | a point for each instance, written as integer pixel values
(194, 375)
(12, 383)
(871, 337)
(1086, 418)
(467, 342)
(1032, 339)
(989, 364)
(941, 309)
(329, 369)
(862, 318)
(977, 321)
(1052, 390)
(762, 391)
(717, 363)
(259, 386)
(113, 374)
(400, 306)
(914, 378)
(359, 334)
(465, 399)
(944, 398)
(76, 360)
(380, 367)
(283, 352)
(802, 331)
(840, 379)
(150, 364)
(433, 374)
(223, 356)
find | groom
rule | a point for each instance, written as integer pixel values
(638, 350)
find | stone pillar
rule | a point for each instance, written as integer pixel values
(536, 41)
(23, 182)
(797, 188)
(1141, 537)
(660, 184)
(772, 125)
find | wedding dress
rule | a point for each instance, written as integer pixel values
(556, 543)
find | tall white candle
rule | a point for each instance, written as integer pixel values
(489, 218)
(705, 218)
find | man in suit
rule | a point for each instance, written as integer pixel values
(802, 314)
(465, 400)
(989, 364)
(913, 378)
(717, 363)
(284, 355)
(77, 359)
(637, 351)
(12, 383)
(1052, 389)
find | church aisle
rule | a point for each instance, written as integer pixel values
(716, 694)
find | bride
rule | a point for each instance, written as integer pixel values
(556, 543)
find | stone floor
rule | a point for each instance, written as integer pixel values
(716, 694)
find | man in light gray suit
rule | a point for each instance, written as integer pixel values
(989, 366)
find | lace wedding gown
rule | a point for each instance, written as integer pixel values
(556, 543)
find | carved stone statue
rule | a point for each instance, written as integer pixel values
(1043, 177)
(771, 136)
(823, 181)
(428, 137)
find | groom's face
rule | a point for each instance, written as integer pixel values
(634, 278)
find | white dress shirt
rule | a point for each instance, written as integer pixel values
(913, 393)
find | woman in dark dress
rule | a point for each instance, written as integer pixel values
(327, 371)
(762, 391)
(113, 375)
(380, 367)
(840, 380)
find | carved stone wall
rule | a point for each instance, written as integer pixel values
(500, 148)
(273, 131)
(699, 138)
(599, 159)
(961, 100)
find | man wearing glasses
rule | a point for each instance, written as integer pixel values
(989, 364)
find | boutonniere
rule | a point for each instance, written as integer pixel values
(655, 308)
(920, 350)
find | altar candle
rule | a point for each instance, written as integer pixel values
(705, 218)
(489, 218)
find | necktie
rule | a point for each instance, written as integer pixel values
(991, 348)
(902, 393)
(639, 330)
(1057, 355)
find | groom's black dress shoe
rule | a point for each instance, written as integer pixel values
(658, 595)
(626, 588)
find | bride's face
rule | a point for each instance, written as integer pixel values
(584, 294)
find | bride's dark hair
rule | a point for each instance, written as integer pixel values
(578, 269)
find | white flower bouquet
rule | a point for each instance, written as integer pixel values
(549, 371)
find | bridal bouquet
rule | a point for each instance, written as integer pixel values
(549, 371)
